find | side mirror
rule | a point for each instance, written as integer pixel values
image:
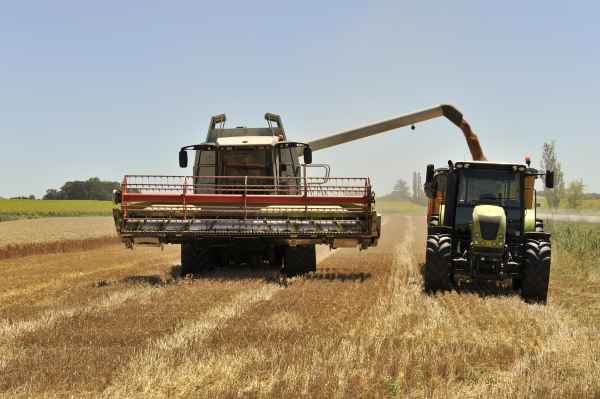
(549, 179)
(430, 173)
(183, 159)
(307, 155)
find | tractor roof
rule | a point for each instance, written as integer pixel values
(487, 164)
(497, 165)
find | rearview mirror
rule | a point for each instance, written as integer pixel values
(307, 155)
(549, 179)
(429, 174)
(183, 159)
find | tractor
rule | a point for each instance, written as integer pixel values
(483, 228)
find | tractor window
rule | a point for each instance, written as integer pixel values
(489, 186)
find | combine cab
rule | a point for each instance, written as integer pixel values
(249, 200)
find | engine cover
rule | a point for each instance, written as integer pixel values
(489, 229)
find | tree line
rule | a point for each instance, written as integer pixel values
(91, 189)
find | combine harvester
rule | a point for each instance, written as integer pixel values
(250, 199)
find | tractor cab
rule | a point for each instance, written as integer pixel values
(455, 192)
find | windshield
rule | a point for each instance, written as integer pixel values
(489, 186)
(246, 162)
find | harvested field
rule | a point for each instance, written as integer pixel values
(51, 235)
(114, 323)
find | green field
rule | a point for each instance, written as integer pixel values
(25, 209)
(586, 206)
(575, 274)
(403, 207)
(580, 240)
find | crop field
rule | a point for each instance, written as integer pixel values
(114, 323)
(22, 209)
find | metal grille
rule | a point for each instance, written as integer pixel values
(185, 197)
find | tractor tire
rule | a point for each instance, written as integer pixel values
(194, 259)
(536, 271)
(438, 263)
(299, 260)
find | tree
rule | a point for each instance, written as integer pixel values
(401, 190)
(53, 194)
(91, 189)
(418, 194)
(575, 193)
(550, 162)
(414, 187)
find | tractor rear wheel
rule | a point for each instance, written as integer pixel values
(195, 259)
(299, 260)
(438, 263)
(536, 271)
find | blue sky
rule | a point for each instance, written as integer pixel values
(108, 88)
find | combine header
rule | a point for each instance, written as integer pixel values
(294, 211)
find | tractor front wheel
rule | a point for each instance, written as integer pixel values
(438, 263)
(536, 271)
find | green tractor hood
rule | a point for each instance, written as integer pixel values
(489, 228)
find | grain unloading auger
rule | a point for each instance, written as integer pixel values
(250, 200)
(445, 110)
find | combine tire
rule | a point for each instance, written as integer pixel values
(194, 259)
(536, 271)
(299, 260)
(438, 263)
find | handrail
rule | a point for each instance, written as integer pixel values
(184, 194)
